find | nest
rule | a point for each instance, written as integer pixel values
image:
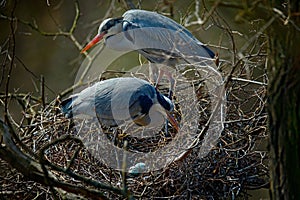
(235, 164)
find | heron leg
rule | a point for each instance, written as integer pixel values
(156, 75)
(172, 83)
(160, 75)
(153, 73)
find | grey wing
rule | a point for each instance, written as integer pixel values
(80, 104)
(159, 35)
(103, 103)
(92, 101)
(122, 102)
(113, 101)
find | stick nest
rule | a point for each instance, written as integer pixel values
(237, 162)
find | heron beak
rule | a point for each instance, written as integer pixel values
(94, 41)
(173, 121)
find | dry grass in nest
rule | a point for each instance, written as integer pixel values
(237, 162)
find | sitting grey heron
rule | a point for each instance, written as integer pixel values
(119, 100)
(156, 37)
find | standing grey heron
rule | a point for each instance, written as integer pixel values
(158, 38)
(119, 100)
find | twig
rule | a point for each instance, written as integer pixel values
(248, 81)
(42, 91)
(70, 173)
(13, 39)
(68, 34)
(31, 168)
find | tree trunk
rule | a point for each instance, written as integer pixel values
(283, 102)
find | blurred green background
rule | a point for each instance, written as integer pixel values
(57, 58)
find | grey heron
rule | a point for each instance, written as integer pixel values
(119, 100)
(158, 38)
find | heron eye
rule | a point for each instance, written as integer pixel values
(104, 31)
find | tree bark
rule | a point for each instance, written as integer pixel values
(283, 102)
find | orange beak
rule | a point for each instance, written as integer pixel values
(173, 121)
(94, 41)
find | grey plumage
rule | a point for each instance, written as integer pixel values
(115, 101)
(158, 38)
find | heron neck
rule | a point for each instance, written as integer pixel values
(163, 102)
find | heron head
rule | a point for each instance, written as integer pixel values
(167, 104)
(108, 27)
